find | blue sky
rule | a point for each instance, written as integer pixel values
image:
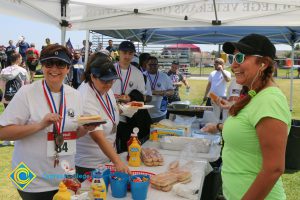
(12, 28)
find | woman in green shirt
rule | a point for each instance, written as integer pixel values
(255, 134)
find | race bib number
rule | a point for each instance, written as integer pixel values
(67, 148)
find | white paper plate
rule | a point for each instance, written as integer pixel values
(139, 108)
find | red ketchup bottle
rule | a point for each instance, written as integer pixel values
(71, 182)
(133, 135)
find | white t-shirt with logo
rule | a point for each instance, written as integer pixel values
(29, 106)
(218, 83)
(89, 154)
(163, 83)
(135, 81)
(234, 89)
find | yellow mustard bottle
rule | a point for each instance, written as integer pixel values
(63, 193)
(134, 154)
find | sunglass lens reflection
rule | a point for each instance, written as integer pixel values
(59, 64)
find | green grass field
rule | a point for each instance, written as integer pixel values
(291, 181)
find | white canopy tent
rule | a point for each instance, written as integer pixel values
(141, 14)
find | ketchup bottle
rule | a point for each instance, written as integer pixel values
(133, 135)
(71, 182)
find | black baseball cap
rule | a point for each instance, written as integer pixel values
(104, 73)
(59, 55)
(253, 44)
(127, 46)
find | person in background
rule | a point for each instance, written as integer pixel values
(99, 47)
(16, 74)
(76, 71)
(23, 46)
(130, 87)
(110, 46)
(17, 77)
(47, 43)
(10, 49)
(31, 119)
(177, 79)
(143, 59)
(98, 99)
(161, 86)
(217, 81)
(32, 60)
(255, 135)
(3, 57)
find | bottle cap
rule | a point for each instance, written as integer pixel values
(135, 131)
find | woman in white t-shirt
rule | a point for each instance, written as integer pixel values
(98, 99)
(41, 119)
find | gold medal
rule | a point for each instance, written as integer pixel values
(114, 128)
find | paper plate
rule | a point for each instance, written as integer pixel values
(90, 122)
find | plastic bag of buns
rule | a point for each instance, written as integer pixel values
(151, 157)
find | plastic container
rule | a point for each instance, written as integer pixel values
(139, 190)
(292, 158)
(179, 143)
(133, 135)
(98, 185)
(118, 184)
(105, 175)
(134, 154)
(71, 182)
(63, 193)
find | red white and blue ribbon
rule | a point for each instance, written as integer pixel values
(107, 106)
(153, 83)
(62, 106)
(124, 83)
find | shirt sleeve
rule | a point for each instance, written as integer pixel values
(141, 83)
(17, 112)
(148, 88)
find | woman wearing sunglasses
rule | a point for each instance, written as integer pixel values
(255, 134)
(40, 118)
(98, 99)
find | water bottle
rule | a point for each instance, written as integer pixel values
(187, 91)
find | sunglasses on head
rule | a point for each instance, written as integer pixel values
(239, 58)
(58, 63)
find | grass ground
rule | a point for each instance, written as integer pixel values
(291, 180)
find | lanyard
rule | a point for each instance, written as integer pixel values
(62, 106)
(107, 106)
(125, 82)
(153, 83)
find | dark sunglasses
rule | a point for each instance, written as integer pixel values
(153, 65)
(239, 58)
(58, 63)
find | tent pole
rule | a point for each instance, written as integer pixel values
(292, 77)
(87, 47)
(63, 35)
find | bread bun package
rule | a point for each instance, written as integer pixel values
(151, 157)
(89, 117)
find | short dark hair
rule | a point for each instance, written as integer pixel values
(14, 57)
(144, 58)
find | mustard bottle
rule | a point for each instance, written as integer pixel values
(63, 193)
(134, 154)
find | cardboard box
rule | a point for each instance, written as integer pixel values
(158, 131)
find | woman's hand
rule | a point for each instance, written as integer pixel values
(224, 103)
(121, 167)
(82, 130)
(210, 128)
(49, 119)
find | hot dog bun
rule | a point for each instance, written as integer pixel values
(213, 96)
(89, 117)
